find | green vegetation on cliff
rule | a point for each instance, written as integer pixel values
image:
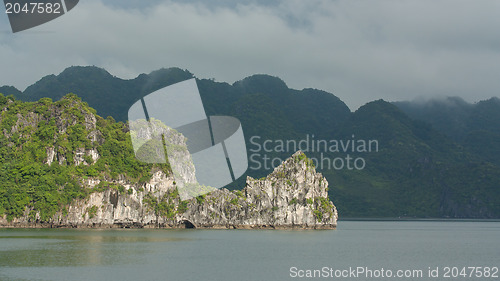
(46, 154)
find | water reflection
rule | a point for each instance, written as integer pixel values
(36, 248)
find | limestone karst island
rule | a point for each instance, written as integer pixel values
(65, 166)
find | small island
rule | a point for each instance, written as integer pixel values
(69, 167)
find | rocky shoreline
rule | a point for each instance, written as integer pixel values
(149, 226)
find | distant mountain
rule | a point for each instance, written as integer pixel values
(109, 95)
(434, 159)
(417, 172)
(447, 115)
(474, 126)
(9, 90)
(112, 96)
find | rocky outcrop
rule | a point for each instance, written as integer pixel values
(294, 195)
(86, 150)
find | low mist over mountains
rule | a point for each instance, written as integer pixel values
(474, 126)
(433, 159)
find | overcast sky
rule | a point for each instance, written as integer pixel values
(358, 50)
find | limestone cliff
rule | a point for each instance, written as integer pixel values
(294, 195)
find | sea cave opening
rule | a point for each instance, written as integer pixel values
(188, 224)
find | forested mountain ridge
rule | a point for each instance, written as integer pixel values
(419, 170)
(109, 95)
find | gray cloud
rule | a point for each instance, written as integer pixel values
(359, 50)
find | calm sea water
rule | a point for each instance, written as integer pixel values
(130, 254)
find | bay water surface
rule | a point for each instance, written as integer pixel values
(405, 247)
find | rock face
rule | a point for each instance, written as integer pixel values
(294, 195)
(144, 135)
